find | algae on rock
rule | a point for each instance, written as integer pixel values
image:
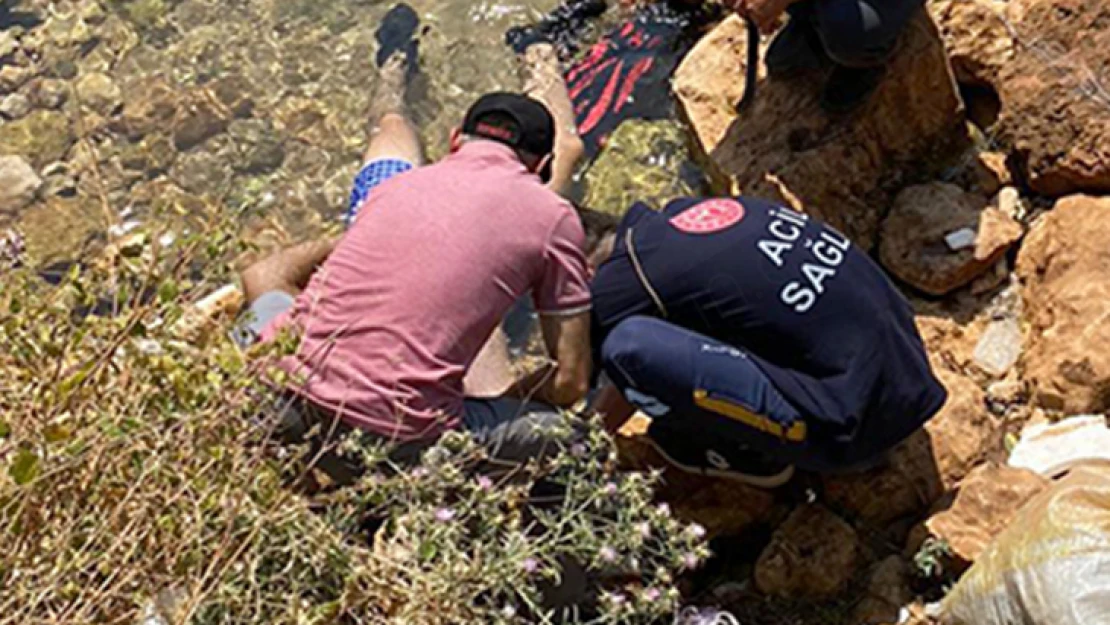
(643, 161)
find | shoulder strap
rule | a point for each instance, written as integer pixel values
(642, 275)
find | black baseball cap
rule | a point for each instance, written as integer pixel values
(516, 120)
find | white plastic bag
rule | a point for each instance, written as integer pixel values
(1050, 567)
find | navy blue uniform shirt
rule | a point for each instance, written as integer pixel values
(817, 315)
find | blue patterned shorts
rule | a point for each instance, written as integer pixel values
(373, 174)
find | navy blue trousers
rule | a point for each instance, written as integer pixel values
(701, 388)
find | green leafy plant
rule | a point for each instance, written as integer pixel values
(929, 561)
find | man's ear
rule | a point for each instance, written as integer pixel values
(456, 140)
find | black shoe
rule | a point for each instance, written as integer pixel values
(562, 28)
(731, 462)
(795, 50)
(397, 33)
(849, 88)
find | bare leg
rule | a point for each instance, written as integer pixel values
(543, 80)
(392, 135)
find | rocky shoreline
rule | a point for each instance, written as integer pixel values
(979, 176)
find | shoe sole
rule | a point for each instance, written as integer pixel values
(769, 482)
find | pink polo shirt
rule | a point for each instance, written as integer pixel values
(438, 255)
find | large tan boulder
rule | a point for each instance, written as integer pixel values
(987, 501)
(979, 43)
(926, 465)
(1044, 58)
(1055, 107)
(1065, 264)
(785, 148)
(939, 238)
(813, 554)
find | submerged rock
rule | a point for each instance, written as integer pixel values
(18, 183)
(813, 554)
(99, 93)
(920, 237)
(48, 93)
(1065, 265)
(15, 106)
(643, 161)
(785, 148)
(41, 137)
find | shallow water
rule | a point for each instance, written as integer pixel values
(293, 77)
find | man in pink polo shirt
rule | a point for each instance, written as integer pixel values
(394, 315)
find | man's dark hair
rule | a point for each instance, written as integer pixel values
(597, 225)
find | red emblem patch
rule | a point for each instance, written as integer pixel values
(709, 216)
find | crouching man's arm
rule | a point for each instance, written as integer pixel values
(288, 270)
(564, 382)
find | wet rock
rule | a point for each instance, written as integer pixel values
(48, 93)
(13, 77)
(9, 45)
(15, 106)
(887, 592)
(258, 146)
(41, 137)
(813, 554)
(723, 507)
(202, 173)
(150, 105)
(987, 500)
(786, 149)
(1065, 266)
(199, 120)
(153, 155)
(58, 179)
(99, 93)
(921, 238)
(1000, 347)
(924, 466)
(18, 183)
(60, 228)
(234, 94)
(642, 161)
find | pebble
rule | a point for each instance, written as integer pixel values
(13, 77)
(1009, 202)
(961, 239)
(1000, 347)
(49, 93)
(15, 106)
(18, 183)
